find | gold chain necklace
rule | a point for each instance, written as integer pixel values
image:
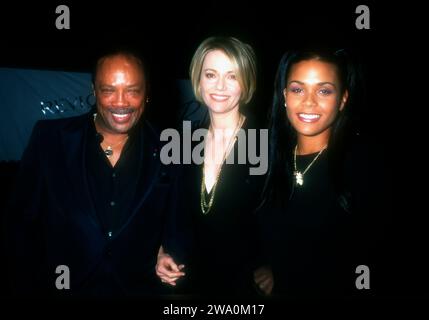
(206, 206)
(109, 150)
(299, 176)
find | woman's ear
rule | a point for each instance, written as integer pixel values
(344, 99)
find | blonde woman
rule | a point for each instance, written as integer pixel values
(217, 199)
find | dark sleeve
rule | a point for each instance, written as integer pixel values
(264, 231)
(23, 221)
(177, 237)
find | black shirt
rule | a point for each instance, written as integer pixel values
(313, 239)
(112, 188)
(225, 244)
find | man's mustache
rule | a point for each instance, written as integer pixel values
(122, 110)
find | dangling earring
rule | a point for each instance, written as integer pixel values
(285, 105)
(147, 100)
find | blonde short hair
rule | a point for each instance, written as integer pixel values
(241, 55)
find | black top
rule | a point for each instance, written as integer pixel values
(312, 242)
(112, 188)
(224, 245)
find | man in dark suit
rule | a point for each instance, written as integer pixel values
(88, 212)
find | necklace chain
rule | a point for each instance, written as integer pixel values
(109, 150)
(206, 206)
(299, 176)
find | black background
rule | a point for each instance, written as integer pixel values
(169, 33)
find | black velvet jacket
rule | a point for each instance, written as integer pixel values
(220, 249)
(53, 219)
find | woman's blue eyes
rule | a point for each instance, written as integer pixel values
(229, 77)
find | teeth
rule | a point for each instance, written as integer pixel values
(120, 115)
(219, 97)
(309, 116)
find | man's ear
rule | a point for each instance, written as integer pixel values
(344, 99)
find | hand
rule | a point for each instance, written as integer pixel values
(167, 270)
(263, 277)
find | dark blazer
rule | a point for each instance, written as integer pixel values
(53, 220)
(220, 249)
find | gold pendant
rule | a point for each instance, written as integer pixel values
(108, 152)
(299, 178)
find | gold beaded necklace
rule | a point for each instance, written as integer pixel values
(207, 205)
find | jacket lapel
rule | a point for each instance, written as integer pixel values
(74, 140)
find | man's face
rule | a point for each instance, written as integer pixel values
(119, 89)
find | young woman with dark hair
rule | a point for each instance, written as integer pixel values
(312, 216)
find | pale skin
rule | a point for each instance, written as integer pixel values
(313, 101)
(119, 88)
(221, 92)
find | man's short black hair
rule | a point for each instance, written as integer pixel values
(131, 53)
